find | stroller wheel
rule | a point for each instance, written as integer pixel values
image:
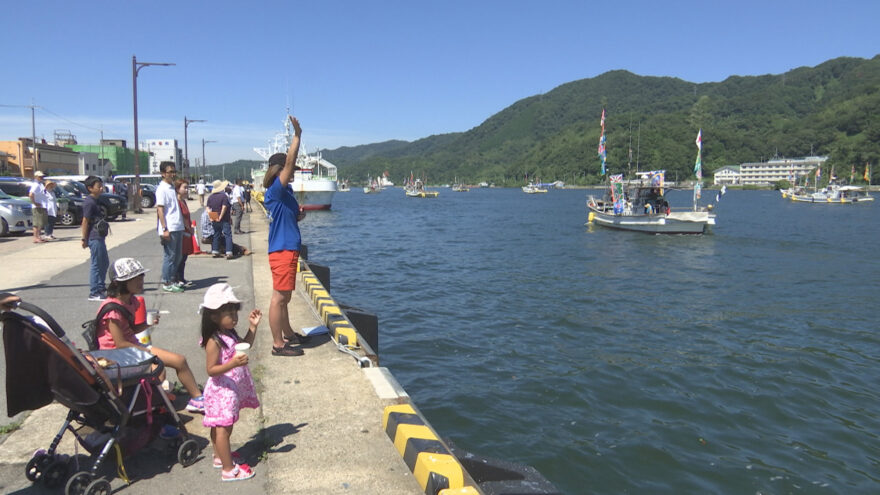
(55, 474)
(188, 453)
(99, 487)
(78, 483)
(36, 466)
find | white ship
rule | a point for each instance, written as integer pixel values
(314, 185)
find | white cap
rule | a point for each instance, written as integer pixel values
(217, 295)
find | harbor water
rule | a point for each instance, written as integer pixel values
(745, 361)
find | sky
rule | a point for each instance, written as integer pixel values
(358, 72)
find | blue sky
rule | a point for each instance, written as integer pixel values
(359, 72)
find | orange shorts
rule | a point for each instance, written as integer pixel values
(284, 265)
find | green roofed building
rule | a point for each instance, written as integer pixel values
(121, 159)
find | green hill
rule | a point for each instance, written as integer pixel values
(830, 108)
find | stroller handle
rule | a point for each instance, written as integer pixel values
(36, 310)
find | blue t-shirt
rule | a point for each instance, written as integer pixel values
(283, 208)
(91, 211)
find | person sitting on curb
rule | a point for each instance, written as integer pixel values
(115, 332)
(207, 237)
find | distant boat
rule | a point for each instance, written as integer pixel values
(459, 187)
(833, 194)
(384, 182)
(343, 186)
(314, 184)
(484, 184)
(415, 188)
(372, 186)
(531, 188)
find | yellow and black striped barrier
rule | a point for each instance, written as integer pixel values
(435, 468)
(341, 330)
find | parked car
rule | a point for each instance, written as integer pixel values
(111, 205)
(19, 187)
(16, 214)
(148, 195)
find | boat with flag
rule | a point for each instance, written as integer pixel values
(415, 188)
(642, 206)
(832, 193)
(314, 184)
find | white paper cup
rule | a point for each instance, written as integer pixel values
(242, 348)
(144, 337)
(152, 316)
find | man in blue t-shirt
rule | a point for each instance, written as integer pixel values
(94, 240)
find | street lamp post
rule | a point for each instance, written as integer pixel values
(186, 123)
(135, 68)
(205, 164)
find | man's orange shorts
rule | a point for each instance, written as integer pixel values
(283, 265)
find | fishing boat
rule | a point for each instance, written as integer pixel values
(314, 184)
(384, 182)
(833, 194)
(415, 188)
(459, 187)
(643, 207)
(372, 186)
(532, 188)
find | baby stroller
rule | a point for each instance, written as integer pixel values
(114, 398)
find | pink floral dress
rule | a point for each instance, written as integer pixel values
(226, 394)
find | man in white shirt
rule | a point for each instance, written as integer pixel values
(237, 206)
(200, 190)
(39, 199)
(170, 227)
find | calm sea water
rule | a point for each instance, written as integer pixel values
(746, 361)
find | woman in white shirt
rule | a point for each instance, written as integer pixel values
(51, 210)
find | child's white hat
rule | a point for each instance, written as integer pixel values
(217, 295)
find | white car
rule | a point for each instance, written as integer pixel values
(15, 214)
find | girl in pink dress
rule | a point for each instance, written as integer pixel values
(230, 386)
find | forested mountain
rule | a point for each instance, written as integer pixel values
(831, 109)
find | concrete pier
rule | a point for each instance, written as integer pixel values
(319, 428)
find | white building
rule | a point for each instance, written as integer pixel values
(728, 175)
(162, 150)
(767, 173)
(90, 164)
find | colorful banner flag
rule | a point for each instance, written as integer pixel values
(867, 175)
(698, 166)
(818, 173)
(602, 152)
(852, 174)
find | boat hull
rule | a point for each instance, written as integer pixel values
(829, 200)
(696, 222)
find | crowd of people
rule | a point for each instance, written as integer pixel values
(229, 386)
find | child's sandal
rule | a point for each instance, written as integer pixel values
(238, 473)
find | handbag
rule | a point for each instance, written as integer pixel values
(214, 216)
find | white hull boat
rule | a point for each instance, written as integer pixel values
(314, 185)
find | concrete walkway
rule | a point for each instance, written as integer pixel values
(319, 429)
